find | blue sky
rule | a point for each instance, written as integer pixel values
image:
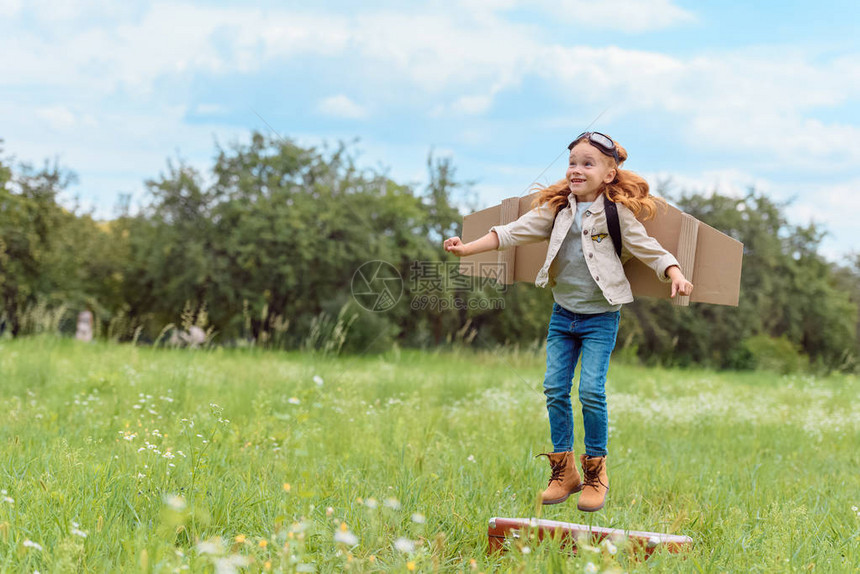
(712, 95)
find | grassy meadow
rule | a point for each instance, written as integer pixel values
(126, 459)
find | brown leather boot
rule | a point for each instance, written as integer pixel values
(564, 479)
(596, 483)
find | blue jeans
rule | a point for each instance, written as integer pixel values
(593, 336)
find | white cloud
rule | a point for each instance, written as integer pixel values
(726, 102)
(58, 117)
(835, 204)
(134, 51)
(730, 182)
(341, 106)
(449, 50)
(612, 75)
(9, 8)
(209, 109)
(623, 15)
(472, 104)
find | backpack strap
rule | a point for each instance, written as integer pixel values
(613, 224)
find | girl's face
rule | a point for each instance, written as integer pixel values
(588, 170)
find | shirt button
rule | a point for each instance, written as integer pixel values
(590, 255)
(587, 213)
(585, 232)
(597, 278)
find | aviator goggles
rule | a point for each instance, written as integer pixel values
(601, 141)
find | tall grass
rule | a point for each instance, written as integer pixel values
(125, 459)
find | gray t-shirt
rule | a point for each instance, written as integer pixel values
(575, 288)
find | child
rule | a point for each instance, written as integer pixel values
(589, 287)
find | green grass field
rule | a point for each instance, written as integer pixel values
(124, 459)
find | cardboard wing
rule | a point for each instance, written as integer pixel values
(711, 260)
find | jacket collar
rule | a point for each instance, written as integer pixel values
(596, 206)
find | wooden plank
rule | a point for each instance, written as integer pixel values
(501, 532)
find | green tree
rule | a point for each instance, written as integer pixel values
(31, 229)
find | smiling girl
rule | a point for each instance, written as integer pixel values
(586, 275)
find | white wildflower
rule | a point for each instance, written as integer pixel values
(346, 537)
(318, 380)
(471, 458)
(526, 550)
(404, 545)
(610, 547)
(418, 518)
(230, 564)
(300, 526)
(211, 546)
(175, 501)
(392, 503)
(31, 544)
(294, 401)
(590, 568)
(78, 532)
(371, 503)
(9, 500)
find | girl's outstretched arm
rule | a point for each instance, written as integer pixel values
(637, 243)
(486, 243)
(648, 250)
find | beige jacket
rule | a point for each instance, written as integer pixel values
(606, 269)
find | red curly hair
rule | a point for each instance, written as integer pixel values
(628, 188)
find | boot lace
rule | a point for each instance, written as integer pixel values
(592, 476)
(557, 469)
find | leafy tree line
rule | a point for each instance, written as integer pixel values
(264, 251)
